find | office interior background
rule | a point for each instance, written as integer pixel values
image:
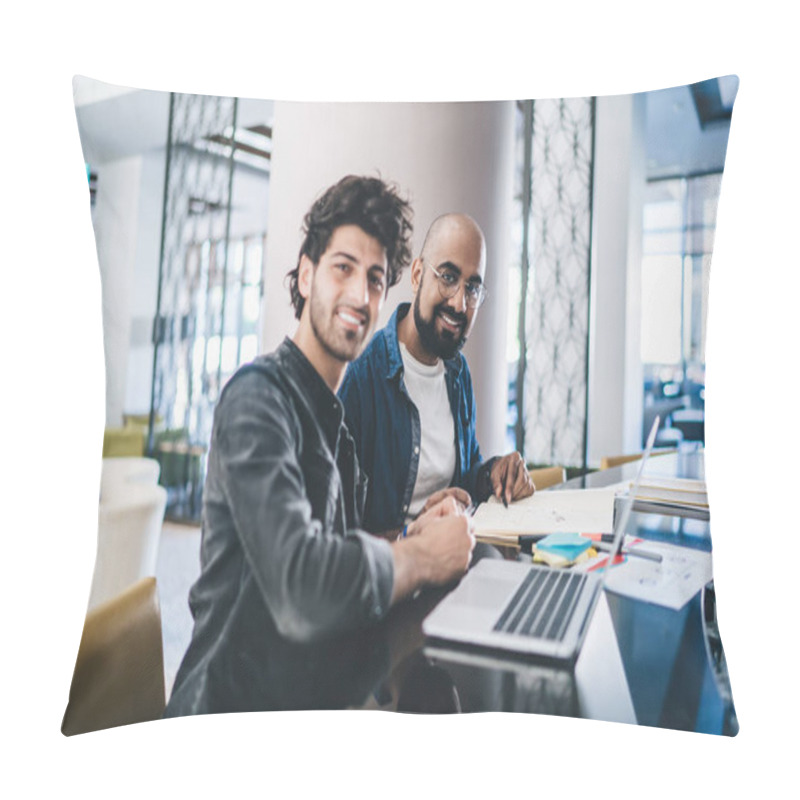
(752, 325)
(599, 213)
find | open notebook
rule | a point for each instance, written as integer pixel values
(562, 511)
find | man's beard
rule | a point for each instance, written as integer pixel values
(343, 345)
(442, 345)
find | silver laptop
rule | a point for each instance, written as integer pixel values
(528, 609)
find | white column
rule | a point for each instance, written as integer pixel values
(116, 227)
(444, 157)
(615, 370)
(144, 292)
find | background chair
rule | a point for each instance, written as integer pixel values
(118, 442)
(143, 421)
(119, 672)
(544, 477)
(117, 473)
(128, 531)
(615, 461)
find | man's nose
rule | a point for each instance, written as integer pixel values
(358, 289)
(459, 299)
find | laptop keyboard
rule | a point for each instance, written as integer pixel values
(543, 604)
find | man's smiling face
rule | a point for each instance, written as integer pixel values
(456, 256)
(347, 291)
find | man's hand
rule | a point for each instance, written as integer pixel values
(459, 495)
(445, 547)
(510, 479)
(440, 504)
(437, 550)
(448, 505)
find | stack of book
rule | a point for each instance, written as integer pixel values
(678, 496)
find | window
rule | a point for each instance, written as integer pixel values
(221, 316)
(678, 236)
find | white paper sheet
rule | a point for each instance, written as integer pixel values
(567, 511)
(671, 583)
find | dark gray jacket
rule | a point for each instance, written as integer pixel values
(286, 576)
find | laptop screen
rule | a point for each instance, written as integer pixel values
(627, 503)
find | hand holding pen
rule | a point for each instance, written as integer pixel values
(510, 479)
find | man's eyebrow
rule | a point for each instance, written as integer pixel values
(343, 254)
(451, 266)
(349, 257)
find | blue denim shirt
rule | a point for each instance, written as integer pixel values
(384, 423)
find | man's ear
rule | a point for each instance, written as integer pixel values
(304, 276)
(416, 274)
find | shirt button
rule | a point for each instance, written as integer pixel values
(416, 450)
(405, 509)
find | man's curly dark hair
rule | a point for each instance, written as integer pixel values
(375, 206)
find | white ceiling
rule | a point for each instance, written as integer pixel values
(116, 122)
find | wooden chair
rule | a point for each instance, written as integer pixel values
(545, 477)
(615, 461)
(119, 672)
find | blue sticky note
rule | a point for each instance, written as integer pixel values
(566, 545)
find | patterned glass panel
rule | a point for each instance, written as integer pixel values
(197, 199)
(187, 358)
(558, 284)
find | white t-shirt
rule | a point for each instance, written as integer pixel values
(437, 457)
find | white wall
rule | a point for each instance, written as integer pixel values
(445, 157)
(115, 222)
(615, 372)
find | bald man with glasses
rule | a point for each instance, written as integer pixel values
(408, 398)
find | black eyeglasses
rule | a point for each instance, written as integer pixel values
(449, 281)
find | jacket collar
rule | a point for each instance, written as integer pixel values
(326, 405)
(452, 365)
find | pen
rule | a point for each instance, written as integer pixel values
(640, 553)
(644, 554)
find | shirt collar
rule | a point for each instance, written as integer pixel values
(392, 344)
(328, 407)
(452, 365)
